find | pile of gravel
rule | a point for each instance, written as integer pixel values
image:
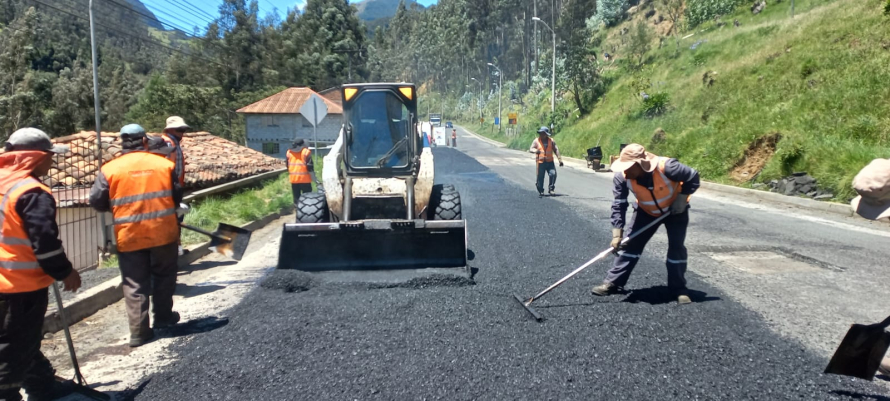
(288, 281)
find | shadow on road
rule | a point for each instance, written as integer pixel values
(128, 394)
(860, 396)
(663, 295)
(197, 326)
(188, 291)
(206, 265)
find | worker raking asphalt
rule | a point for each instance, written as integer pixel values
(302, 338)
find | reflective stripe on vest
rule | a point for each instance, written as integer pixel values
(140, 189)
(296, 166)
(19, 267)
(546, 154)
(665, 191)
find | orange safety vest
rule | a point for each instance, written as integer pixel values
(176, 156)
(546, 154)
(296, 166)
(664, 191)
(19, 269)
(141, 192)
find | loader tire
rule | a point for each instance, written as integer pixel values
(312, 207)
(446, 201)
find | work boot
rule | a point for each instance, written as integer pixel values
(57, 390)
(683, 297)
(606, 288)
(171, 319)
(142, 339)
(540, 193)
(551, 189)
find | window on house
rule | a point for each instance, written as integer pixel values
(270, 148)
(270, 121)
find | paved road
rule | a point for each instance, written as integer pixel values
(761, 326)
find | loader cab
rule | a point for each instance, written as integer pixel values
(379, 129)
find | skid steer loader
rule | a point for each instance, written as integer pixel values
(379, 208)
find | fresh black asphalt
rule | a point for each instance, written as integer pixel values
(300, 338)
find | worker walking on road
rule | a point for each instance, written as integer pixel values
(545, 147)
(31, 259)
(873, 203)
(300, 168)
(659, 184)
(454, 138)
(141, 190)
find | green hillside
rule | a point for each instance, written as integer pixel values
(818, 82)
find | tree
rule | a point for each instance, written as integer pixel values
(674, 11)
(640, 42)
(585, 82)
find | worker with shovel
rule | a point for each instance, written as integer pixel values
(873, 203)
(31, 259)
(141, 189)
(544, 147)
(660, 185)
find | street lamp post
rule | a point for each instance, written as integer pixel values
(500, 85)
(553, 71)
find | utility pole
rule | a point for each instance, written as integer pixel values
(553, 72)
(500, 85)
(102, 233)
(535, 38)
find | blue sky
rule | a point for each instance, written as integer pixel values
(180, 14)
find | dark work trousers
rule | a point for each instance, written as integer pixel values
(548, 168)
(21, 362)
(299, 189)
(148, 273)
(453, 142)
(676, 256)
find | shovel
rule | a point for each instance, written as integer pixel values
(228, 240)
(527, 304)
(81, 384)
(861, 351)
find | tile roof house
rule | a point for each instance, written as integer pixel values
(210, 160)
(334, 94)
(275, 122)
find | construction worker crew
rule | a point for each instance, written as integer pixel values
(659, 184)
(300, 167)
(173, 132)
(31, 259)
(141, 190)
(545, 147)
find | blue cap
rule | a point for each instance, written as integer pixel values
(133, 131)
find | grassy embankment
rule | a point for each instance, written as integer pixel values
(820, 80)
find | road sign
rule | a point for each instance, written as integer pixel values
(314, 109)
(512, 121)
(481, 120)
(497, 121)
(512, 116)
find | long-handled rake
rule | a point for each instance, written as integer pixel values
(601, 255)
(81, 384)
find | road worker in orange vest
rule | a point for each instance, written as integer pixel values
(660, 185)
(173, 133)
(141, 190)
(31, 259)
(300, 168)
(544, 147)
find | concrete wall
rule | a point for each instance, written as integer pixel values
(284, 128)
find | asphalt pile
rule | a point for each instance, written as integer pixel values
(467, 342)
(288, 281)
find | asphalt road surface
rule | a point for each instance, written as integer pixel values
(774, 291)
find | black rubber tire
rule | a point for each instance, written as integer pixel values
(312, 207)
(445, 203)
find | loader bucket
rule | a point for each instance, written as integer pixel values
(373, 245)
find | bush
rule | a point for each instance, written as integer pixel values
(610, 12)
(656, 104)
(699, 11)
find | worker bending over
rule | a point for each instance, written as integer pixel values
(31, 259)
(660, 185)
(141, 189)
(545, 147)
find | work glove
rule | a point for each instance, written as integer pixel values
(182, 210)
(680, 204)
(617, 236)
(561, 163)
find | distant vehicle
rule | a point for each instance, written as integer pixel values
(448, 124)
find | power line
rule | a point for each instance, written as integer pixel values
(212, 18)
(181, 8)
(151, 17)
(148, 41)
